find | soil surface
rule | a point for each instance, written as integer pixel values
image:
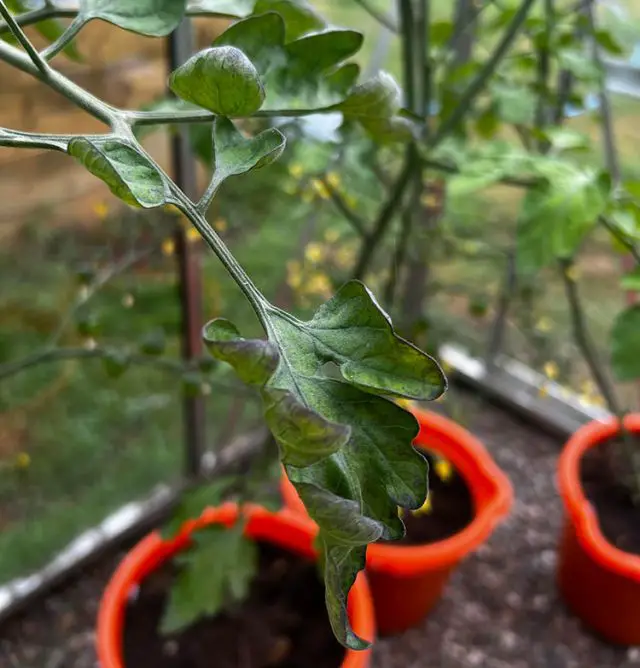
(451, 510)
(500, 610)
(618, 515)
(281, 624)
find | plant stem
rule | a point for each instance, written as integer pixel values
(476, 86)
(67, 36)
(496, 339)
(61, 84)
(205, 201)
(384, 219)
(630, 246)
(349, 214)
(18, 33)
(68, 353)
(601, 379)
(258, 302)
(52, 142)
(38, 15)
(405, 10)
(583, 339)
(382, 18)
(608, 136)
(399, 256)
(60, 354)
(544, 69)
(128, 261)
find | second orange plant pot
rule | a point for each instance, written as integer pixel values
(407, 580)
(597, 580)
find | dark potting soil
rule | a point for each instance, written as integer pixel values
(282, 624)
(603, 484)
(452, 510)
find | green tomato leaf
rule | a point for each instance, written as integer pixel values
(154, 18)
(116, 362)
(346, 447)
(302, 74)
(298, 16)
(221, 79)
(154, 343)
(377, 98)
(128, 173)
(625, 335)
(254, 360)
(631, 281)
(557, 214)
(608, 42)
(236, 8)
(215, 571)
(234, 154)
(195, 501)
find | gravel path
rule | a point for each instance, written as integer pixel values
(501, 609)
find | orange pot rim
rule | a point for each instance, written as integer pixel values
(580, 511)
(153, 550)
(472, 456)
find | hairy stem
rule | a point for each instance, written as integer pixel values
(18, 33)
(383, 220)
(476, 86)
(583, 339)
(61, 84)
(381, 17)
(620, 237)
(258, 302)
(348, 213)
(61, 43)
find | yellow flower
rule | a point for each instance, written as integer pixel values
(320, 188)
(333, 179)
(296, 170)
(319, 284)
(23, 461)
(193, 235)
(573, 273)
(294, 274)
(426, 507)
(168, 247)
(128, 301)
(443, 469)
(344, 257)
(220, 225)
(544, 324)
(314, 252)
(429, 200)
(101, 210)
(331, 235)
(551, 370)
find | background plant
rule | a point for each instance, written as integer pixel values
(459, 100)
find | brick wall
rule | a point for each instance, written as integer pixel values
(124, 69)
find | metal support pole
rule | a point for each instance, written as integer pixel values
(180, 48)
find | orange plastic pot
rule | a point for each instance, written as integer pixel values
(283, 529)
(598, 581)
(407, 580)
